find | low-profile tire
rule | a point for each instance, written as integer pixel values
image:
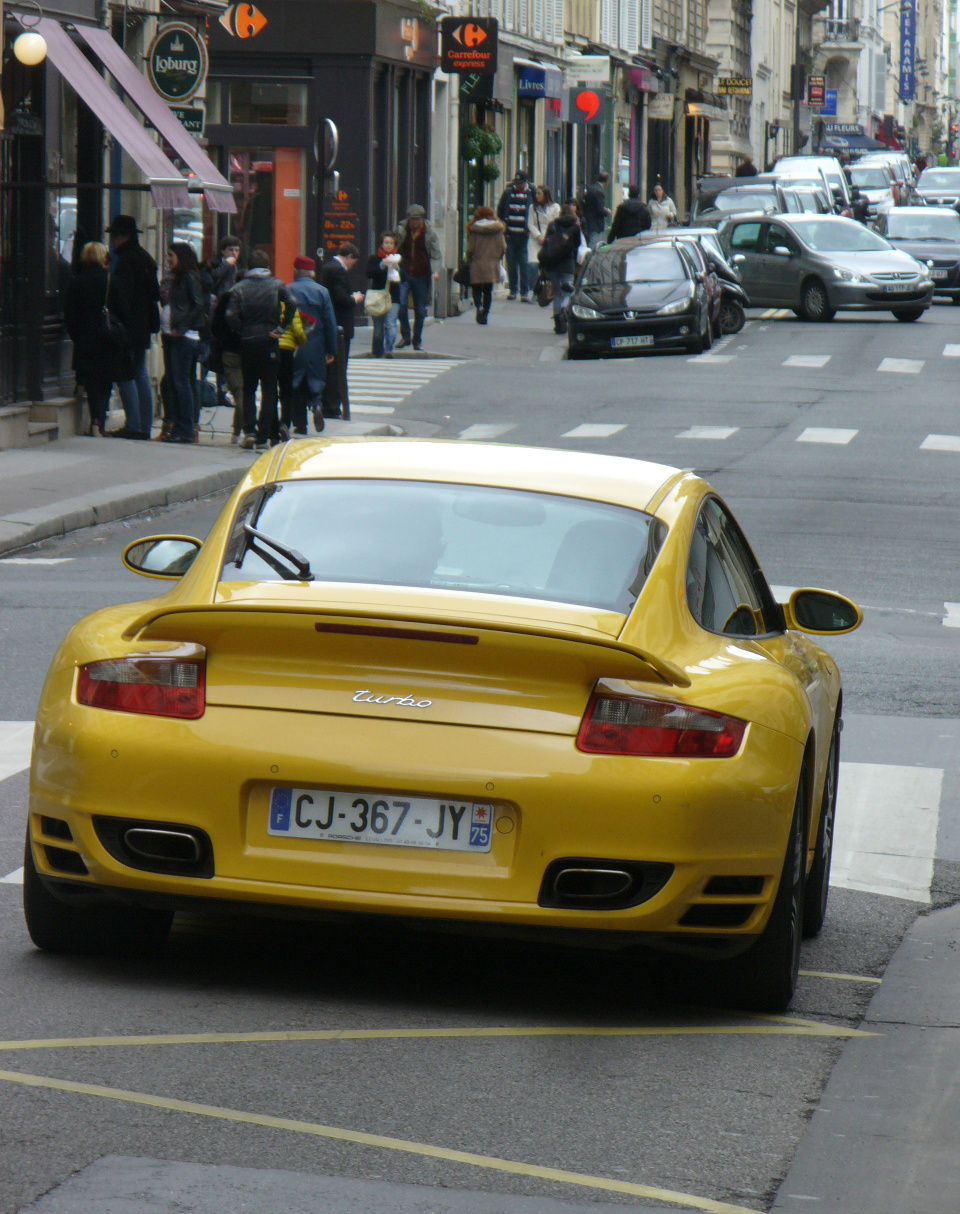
(815, 302)
(764, 978)
(818, 879)
(732, 317)
(101, 930)
(908, 314)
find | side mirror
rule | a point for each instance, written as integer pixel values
(781, 250)
(167, 557)
(738, 258)
(821, 612)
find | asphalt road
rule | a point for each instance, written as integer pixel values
(690, 1107)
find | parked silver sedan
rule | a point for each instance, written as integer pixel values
(817, 264)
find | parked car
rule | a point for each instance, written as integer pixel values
(803, 199)
(633, 296)
(932, 236)
(876, 184)
(939, 187)
(819, 264)
(718, 197)
(829, 166)
(723, 279)
(899, 164)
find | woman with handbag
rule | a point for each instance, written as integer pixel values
(486, 245)
(542, 214)
(101, 353)
(558, 261)
(182, 319)
(382, 300)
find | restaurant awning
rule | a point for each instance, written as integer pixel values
(167, 187)
(216, 189)
(852, 143)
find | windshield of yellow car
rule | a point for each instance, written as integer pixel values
(450, 537)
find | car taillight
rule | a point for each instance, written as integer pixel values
(159, 687)
(616, 725)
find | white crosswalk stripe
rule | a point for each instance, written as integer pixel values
(709, 432)
(941, 442)
(381, 409)
(593, 430)
(16, 738)
(902, 366)
(951, 351)
(825, 434)
(715, 360)
(807, 360)
(390, 381)
(952, 618)
(37, 560)
(14, 878)
(484, 433)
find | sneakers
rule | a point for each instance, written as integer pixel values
(513, 296)
(235, 438)
(261, 447)
(526, 299)
(248, 442)
(417, 345)
(401, 344)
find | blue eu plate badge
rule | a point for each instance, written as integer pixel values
(280, 801)
(480, 821)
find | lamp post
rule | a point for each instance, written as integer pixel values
(30, 48)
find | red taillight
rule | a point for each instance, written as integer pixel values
(159, 687)
(617, 725)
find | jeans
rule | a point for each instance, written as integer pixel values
(287, 393)
(421, 293)
(258, 362)
(482, 297)
(390, 328)
(562, 289)
(518, 268)
(182, 361)
(137, 396)
(233, 374)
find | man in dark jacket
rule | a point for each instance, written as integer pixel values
(224, 357)
(258, 310)
(513, 211)
(746, 168)
(595, 209)
(135, 289)
(335, 276)
(631, 218)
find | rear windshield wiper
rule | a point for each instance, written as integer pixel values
(296, 559)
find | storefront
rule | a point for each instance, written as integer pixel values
(320, 117)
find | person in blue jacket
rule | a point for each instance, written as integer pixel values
(314, 359)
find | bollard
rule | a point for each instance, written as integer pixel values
(342, 375)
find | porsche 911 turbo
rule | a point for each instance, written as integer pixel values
(496, 689)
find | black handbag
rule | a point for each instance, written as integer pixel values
(462, 273)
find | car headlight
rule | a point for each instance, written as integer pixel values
(924, 272)
(678, 305)
(849, 276)
(586, 313)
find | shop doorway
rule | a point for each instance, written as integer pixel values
(268, 186)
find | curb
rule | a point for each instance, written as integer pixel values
(121, 501)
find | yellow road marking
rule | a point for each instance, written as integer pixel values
(840, 977)
(772, 1028)
(490, 1162)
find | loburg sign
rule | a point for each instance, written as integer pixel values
(177, 62)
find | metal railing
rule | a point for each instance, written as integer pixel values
(841, 31)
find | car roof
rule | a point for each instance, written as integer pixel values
(926, 211)
(607, 478)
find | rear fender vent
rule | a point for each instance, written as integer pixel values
(722, 914)
(577, 884)
(157, 847)
(65, 861)
(737, 887)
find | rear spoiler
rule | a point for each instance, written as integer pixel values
(664, 671)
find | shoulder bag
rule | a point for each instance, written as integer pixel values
(377, 302)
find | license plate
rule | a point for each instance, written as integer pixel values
(899, 287)
(939, 275)
(629, 343)
(373, 817)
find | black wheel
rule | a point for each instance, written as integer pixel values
(765, 976)
(908, 314)
(955, 300)
(706, 339)
(732, 317)
(814, 301)
(818, 880)
(66, 927)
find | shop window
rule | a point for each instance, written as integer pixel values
(257, 102)
(268, 184)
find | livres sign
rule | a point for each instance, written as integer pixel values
(177, 62)
(469, 44)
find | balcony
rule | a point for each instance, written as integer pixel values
(841, 32)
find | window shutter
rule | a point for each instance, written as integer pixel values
(629, 26)
(496, 9)
(558, 14)
(537, 31)
(605, 22)
(510, 14)
(522, 15)
(646, 25)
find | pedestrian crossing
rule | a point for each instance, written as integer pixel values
(819, 362)
(886, 828)
(378, 385)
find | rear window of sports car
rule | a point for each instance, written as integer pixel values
(448, 537)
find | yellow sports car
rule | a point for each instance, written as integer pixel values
(509, 688)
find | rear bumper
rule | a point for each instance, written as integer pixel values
(705, 818)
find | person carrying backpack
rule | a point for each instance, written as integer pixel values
(558, 261)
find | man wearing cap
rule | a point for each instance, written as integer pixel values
(135, 290)
(513, 210)
(313, 359)
(420, 261)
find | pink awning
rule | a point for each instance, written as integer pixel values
(167, 187)
(216, 189)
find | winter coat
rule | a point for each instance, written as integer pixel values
(378, 275)
(94, 360)
(539, 219)
(223, 277)
(486, 245)
(186, 304)
(559, 252)
(257, 304)
(134, 279)
(334, 277)
(594, 208)
(310, 361)
(631, 218)
(430, 240)
(662, 214)
(295, 336)
(514, 207)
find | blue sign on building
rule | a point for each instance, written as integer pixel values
(531, 82)
(829, 107)
(908, 48)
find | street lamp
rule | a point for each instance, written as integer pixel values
(30, 48)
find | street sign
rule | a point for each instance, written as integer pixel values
(177, 61)
(586, 107)
(816, 88)
(908, 48)
(735, 86)
(469, 44)
(191, 117)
